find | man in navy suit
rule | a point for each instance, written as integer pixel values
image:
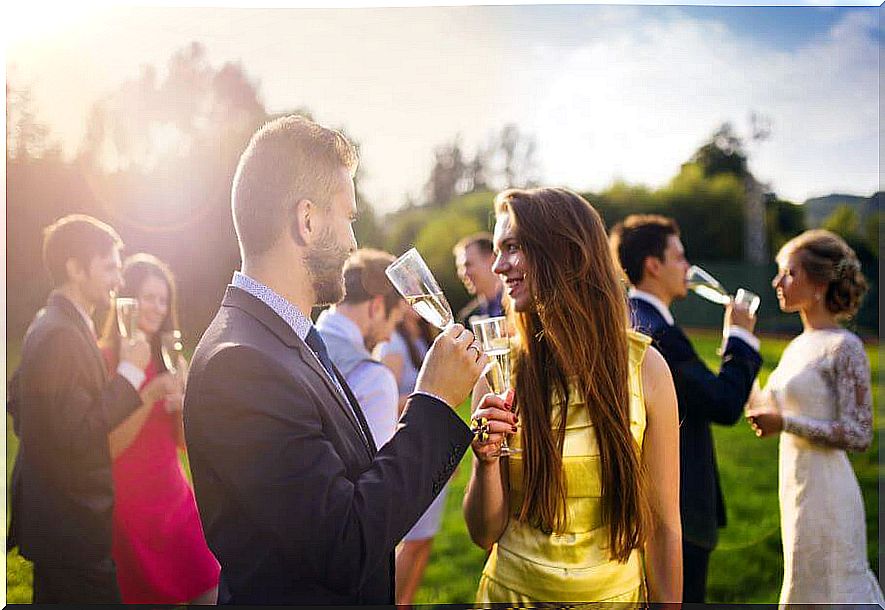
(297, 503)
(650, 251)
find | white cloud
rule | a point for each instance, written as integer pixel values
(639, 98)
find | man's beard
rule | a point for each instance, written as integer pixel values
(325, 265)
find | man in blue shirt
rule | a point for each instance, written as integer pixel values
(370, 311)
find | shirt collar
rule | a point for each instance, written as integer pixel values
(331, 322)
(289, 312)
(635, 293)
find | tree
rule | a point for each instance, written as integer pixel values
(784, 220)
(447, 176)
(843, 221)
(150, 121)
(26, 137)
(725, 153)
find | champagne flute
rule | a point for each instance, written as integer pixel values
(171, 349)
(127, 316)
(494, 337)
(750, 299)
(708, 287)
(412, 278)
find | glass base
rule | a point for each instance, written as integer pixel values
(505, 451)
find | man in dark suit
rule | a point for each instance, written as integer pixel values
(649, 250)
(297, 503)
(474, 257)
(64, 404)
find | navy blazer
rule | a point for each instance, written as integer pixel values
(704, 398)
(296, 503)
(64, 404)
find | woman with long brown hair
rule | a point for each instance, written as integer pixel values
(574, 516)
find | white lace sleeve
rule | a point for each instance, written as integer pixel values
(853, 427)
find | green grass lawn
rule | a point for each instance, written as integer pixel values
(746, 567)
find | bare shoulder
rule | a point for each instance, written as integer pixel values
(657, 382)
(654, 368)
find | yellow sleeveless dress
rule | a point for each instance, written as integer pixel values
(526, 565)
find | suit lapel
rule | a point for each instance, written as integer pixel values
(235, 297)
(357, 409)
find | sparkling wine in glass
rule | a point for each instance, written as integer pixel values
(127, 316)
(494, 337)
(412, 278)
(171, 349)
(706, 286)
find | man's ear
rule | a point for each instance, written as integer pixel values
(302, 221)
(651, 266)
(376, 306)
(75, 270)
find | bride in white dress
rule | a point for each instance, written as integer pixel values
(818, 399)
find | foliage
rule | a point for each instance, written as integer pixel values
(723, 154)
(157, 163)
(507, 160)
(843, 221)
(784, 221)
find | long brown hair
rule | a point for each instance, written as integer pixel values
(575, 329)
(136, 269)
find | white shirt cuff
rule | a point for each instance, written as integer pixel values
(131, 373)
(744, 335)
(433, 396)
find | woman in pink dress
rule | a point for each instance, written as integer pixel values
(159, 547)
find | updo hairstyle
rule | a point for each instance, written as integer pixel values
(830, 262)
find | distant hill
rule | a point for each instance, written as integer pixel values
(818, 208)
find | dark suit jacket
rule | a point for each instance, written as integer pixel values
(64, 404)
(703, 398)
(296, 505)
(475, 308)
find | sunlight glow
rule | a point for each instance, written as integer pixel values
(30, 22)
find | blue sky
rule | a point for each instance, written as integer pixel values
(610, 92)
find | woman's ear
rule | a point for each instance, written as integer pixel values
(302, 221)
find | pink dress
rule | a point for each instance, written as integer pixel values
(158, 546)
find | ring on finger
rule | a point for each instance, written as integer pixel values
(480, 428)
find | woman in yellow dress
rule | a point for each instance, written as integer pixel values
(588, 509)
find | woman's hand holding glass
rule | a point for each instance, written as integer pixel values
(492, 420)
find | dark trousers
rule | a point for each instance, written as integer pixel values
(694, 572)
(66, 585)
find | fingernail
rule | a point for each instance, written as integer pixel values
(514, 429)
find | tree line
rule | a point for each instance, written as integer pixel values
(158, 157)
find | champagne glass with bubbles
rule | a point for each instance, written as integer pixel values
(494, 337)
(412, 278)
(127, 316)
